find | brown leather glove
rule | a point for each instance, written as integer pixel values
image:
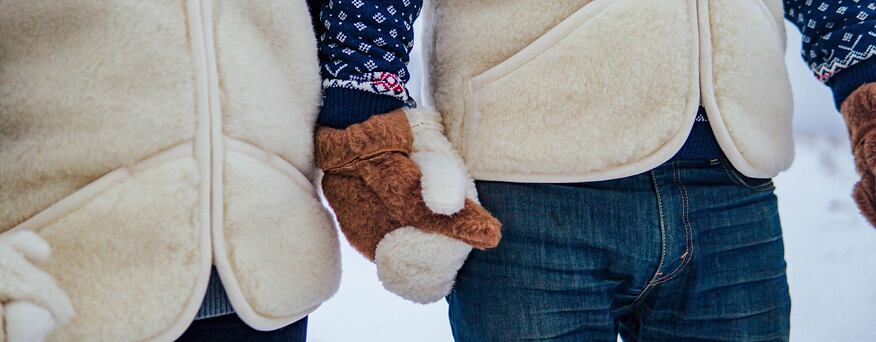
(375, 187)
(859, 110)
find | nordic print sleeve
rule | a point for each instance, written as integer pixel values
(839, 40)
(364, 48)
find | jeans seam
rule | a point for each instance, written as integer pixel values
(685, 218)
(657, 273)
(737, 179)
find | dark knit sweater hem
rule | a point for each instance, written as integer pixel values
(845, 82)
(342, 107)
(701, 144)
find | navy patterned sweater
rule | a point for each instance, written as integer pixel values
(364, 47)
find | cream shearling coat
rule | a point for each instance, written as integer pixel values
(146, 141)
(589, 90)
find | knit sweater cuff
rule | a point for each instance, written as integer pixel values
(342, 107)
(847, 81)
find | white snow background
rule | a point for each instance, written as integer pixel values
(830, 249)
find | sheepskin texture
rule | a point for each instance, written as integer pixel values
(411, 216)
(445, 181)
(776, 9)
(116, 121)
(378, 200)
(469, 37)
(26, 322)
(412, 263)
(419, 266)
(132, 258)
(268, 109)
(545, 92)
(859, 111)
(427, 130)
(546, 113)
(77, 90)
(746, 88)
(270, 101)
(280, 242)
(30, 245)
(376, 192)
(32, 304)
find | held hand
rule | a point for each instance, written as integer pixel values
(859, 110)
(404, 200)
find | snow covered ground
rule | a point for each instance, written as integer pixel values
(831, 253)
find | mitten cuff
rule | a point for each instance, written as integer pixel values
(343, 107)
(337, 149)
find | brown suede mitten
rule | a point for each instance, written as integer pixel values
(859, 110)
(374, 183)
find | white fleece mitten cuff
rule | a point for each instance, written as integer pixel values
(414, 264)
(443, 182)
(446, 182)
(419, 266)
(33, 303)
(26, 322)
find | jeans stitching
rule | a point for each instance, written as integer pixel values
(688, 243)
(737, 179)
(688, 232)
(657, 273)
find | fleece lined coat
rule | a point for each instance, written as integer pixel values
(588, 90)
(146, 141)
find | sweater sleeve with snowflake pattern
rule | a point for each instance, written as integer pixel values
(364, 48)
(839, 41)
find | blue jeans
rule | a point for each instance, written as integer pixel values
(231, 328)
(690, 251)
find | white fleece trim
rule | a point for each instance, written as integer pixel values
(427, 45)
(544, 43)
(202, 147)
(27, 322)
(86, 194)
(206, 147)
(472, 133)
(778, 26)
(220, 258)
(419, 266)
(238, 301)
(222, 261)
(271, 159)
(444, 175)
(442, 182)
(533, 50)
(82, 196)
(29, 244)
(646, 164)
(710, 102)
